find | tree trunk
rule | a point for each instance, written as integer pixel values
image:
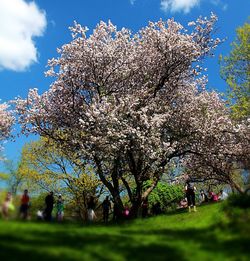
(237, 187)
(150, 189)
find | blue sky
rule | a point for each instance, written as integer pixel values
(30, 32)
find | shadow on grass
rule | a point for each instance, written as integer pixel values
(233, 245)
(53, 246)
(72, 243)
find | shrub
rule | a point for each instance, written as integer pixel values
(239, 201)
(164, 194)
(237, 209)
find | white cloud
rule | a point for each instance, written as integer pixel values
(132, 2)
(20, 21)
(178, 5)
(185, 6)
(220, 4)
(215, 2)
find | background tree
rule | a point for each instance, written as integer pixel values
(47, 168)
(235, 69)
(130, 104)
(14, 178)
(6, 121)
(222, 158)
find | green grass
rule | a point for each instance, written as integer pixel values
(204, 235)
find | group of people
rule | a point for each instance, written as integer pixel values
(190, 197)
(212, 197)
(91, 206)
(106, 207)
(8, 206)
(50, 203)
(49, 206)
(25, 204)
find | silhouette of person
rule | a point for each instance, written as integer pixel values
(49, 202)
(115, 212)
(190, 194)
(156, 209)
(144, 208)
(106, 207)
(25, 200)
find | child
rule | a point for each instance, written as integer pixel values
(59, 208)
(203, 197)
(126, 212)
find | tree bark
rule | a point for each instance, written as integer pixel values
(237, 187)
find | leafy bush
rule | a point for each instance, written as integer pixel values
(164, 194)
(237, 209)
(239, 201)
(37, 203)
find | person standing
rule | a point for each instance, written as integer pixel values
(59, 208)
(144, 207)
(156, 209)
(49, 202)
(190, 194)
(7, 205)
(91, 206)
(115, 212)
(106, 207)
(25, 200)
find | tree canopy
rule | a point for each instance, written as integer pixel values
(235, 70)
(131, 103)
(6, 122)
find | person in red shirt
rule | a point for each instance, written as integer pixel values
(212, 196)
(24, 205)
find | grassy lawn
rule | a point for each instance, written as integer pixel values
(203, 235)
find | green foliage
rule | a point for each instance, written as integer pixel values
(13, 178)
(237, 208)
(165, 194)
(235, 69)
(4, 177)
(37, 203)
(239, 201)
(46, 167)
